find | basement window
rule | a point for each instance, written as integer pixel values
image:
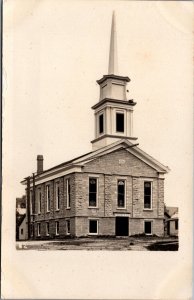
(147, 195)
(93, 226)
(120, 122)
(148, 227)
(57, 228)
(121, 193)
(38, 229)
(47, 228)
(92, 192)
(101, 123)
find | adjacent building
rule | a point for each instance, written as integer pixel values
(115, 190)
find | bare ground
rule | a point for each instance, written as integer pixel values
(89, 243)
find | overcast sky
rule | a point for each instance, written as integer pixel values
(55, 52)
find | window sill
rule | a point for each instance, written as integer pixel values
(147, 209)
(123, 208)
(48, 211)
(57, 234)
(92, 233)
(68, 208)
(57, 209)
(95, 207)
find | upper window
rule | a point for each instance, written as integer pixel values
(120, 122)
(48, 198)
(57, 195)
(39, 200)
(121, 193)
(101, 123)
(147, 195)
(92, 192)
(68, 193)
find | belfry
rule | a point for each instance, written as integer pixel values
(114, 111)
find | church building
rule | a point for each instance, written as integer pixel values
(115, 190)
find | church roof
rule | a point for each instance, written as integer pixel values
(90, 156)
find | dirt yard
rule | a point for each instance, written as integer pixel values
(118, 243)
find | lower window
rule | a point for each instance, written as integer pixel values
(93, 226)
(148, 227)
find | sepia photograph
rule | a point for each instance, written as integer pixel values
(97, 148)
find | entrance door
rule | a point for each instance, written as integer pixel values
(122, 226)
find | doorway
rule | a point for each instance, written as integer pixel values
(122, 226)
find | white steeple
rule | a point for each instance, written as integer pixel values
(113, 60)
(114, 111)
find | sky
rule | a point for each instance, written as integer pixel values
(55, 52)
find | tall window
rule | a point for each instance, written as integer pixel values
(68, 193)
(92, 192)
(148, 227)
(57, 195)
(38, 229)
(57, 228)
(47, 228)
(121, 193)
(48, 198)
(101, 123)
(39, 200)
(93, 226)
(68, 226)
(147, 195)
(176, 224)
(120, 122)
(31, 202)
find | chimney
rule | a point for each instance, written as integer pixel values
(39, 164)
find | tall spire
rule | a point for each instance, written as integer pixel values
(113, 64)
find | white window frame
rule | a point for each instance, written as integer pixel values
(120, 111)
(97, 183)
(151, 221)
(56, 231)
(57, 196)
(125, 198)
(93, 219)
(47, 229)
(151, 198)
(48, 198)
(39, 200)
(38, 229)
(68, 193)
(68, 232)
